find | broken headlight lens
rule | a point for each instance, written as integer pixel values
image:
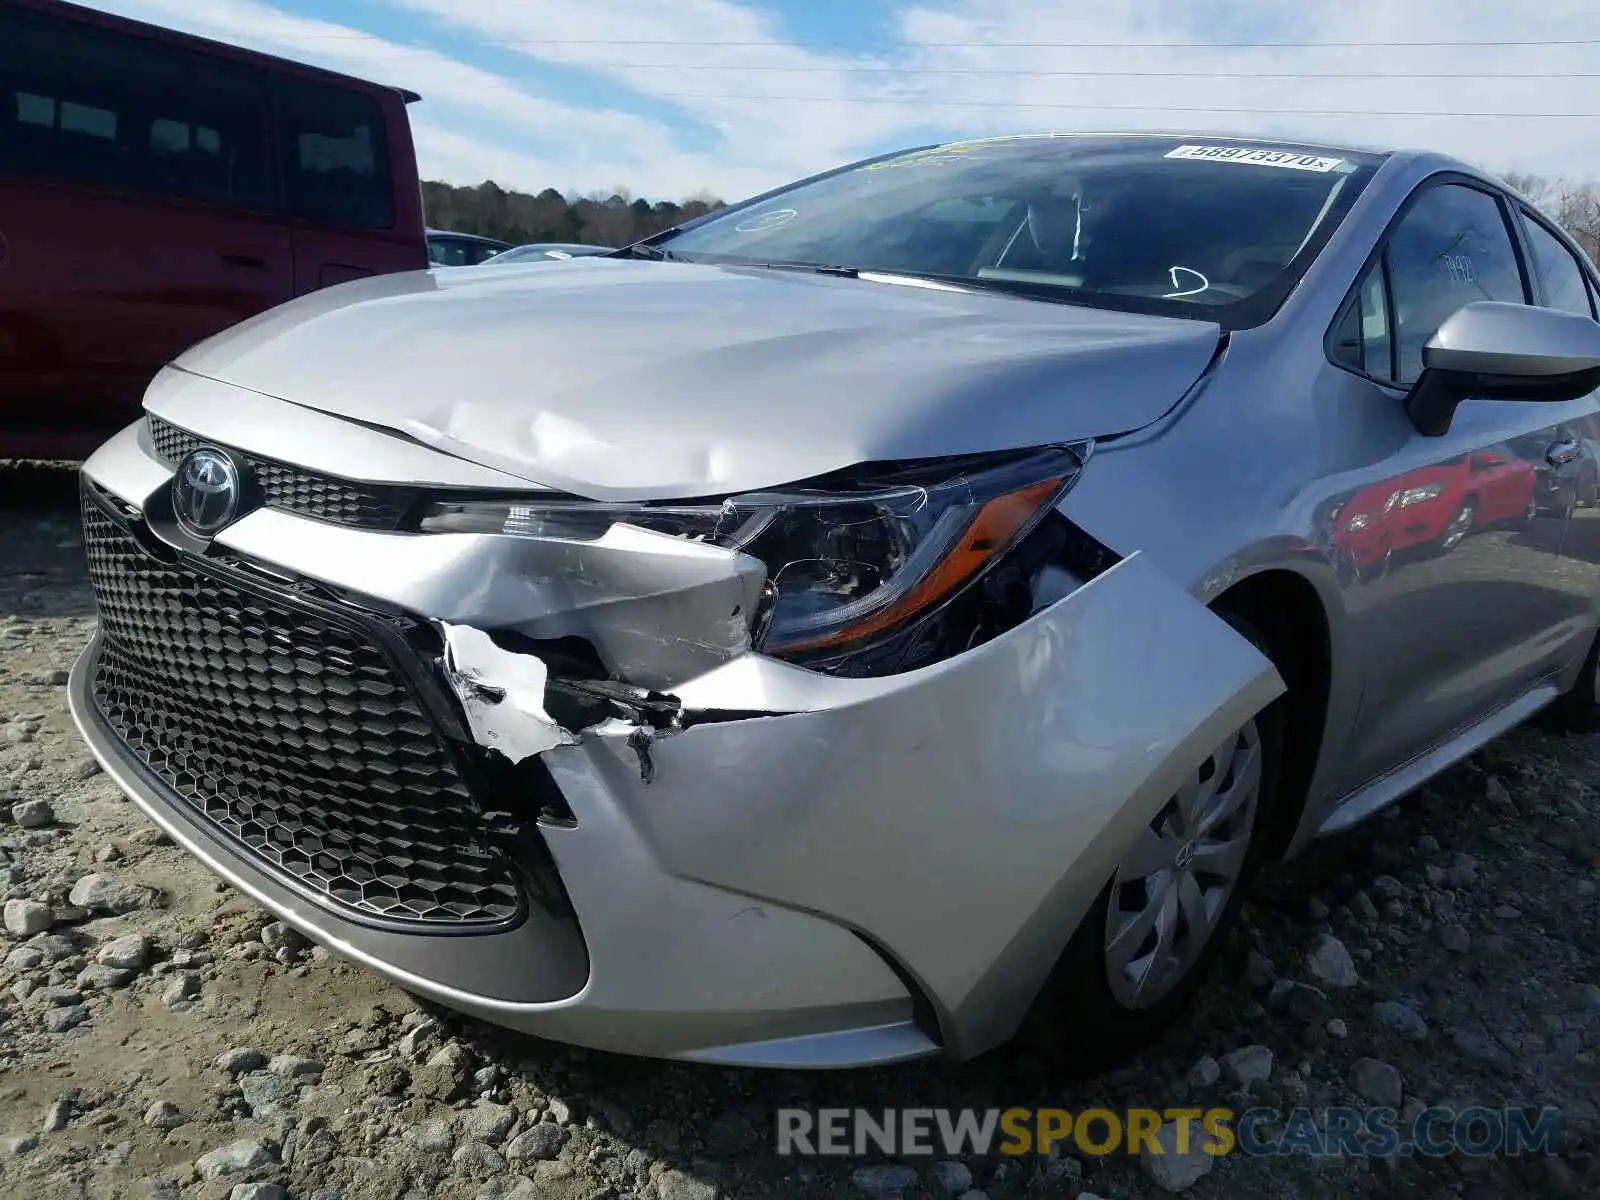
(845, 566)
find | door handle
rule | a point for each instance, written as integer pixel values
(1561, 453)
(244, 260)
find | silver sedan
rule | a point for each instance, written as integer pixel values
(885, 617)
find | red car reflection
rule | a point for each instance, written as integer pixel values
(1434, 506)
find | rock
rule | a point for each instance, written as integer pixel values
(1204, 1073)
(542, 1141)
(107, 895)
(1508, 912)
(1258, 970)
(57, 1115)
(314, 1143)
(444, 1076)
(1496, 793)
(1428, 844)
(164, 1114)
(1317, 909)
(1377, 1082)
(24, 918)
(1338, 1029)
(559, 1111)
(435, 1136)
(185, 986)
(488, 1122)
(265, 1093)
(1591, 996)
(130, 952)
(241, 1059)
(1405, 1021)
(1455, 938)
(33, 814)
(293, 1066)
(258, 1191)
(476, 1159)
(1388, 887)
(1329, 963)
(1248, 1065)
(888, 1182)
(416, 1040)
(70, 1016)
(680, 1185)
(1464, 872)
(283, 940)
(1171, 1170)
(97, 977)
(17, 1146)
(951, 1178)
(237, 1158)
(1298, 1000)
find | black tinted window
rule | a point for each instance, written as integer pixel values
(82, 104)
(334, 155)
(1450, 249)
(1562, 279)
(1147, 224)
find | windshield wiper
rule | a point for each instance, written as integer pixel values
(648, 251)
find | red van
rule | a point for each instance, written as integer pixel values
(156, 188)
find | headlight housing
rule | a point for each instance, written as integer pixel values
(847, 566)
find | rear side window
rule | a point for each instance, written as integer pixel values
(1563, 281)
(1450, 249)
(87, 105)
(334, 156)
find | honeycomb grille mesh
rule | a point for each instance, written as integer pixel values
(293, 736)
(338, 501)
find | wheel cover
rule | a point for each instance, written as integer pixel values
(1175, 883)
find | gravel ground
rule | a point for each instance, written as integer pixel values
(160, 1036)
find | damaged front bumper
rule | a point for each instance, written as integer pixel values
(755, 863)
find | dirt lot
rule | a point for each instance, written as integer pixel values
(160, 1037)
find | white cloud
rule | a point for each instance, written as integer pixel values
(950, 67)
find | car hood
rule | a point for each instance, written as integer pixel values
(623, 379)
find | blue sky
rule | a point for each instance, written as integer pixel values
(668, 98)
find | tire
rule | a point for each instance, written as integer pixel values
(1578, 711)
(1081, 1020)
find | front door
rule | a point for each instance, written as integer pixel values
(1457, 592)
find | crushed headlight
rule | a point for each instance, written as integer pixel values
(846, 565)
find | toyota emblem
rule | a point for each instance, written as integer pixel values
(206, 492)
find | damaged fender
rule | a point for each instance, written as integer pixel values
(884, 804)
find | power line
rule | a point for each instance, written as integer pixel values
(770, 45)
(923, 102)
(1009, 71)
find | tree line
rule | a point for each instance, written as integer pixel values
(490, 210)
(1575, 204)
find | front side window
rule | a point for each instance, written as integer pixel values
(1450, 249)
(1137, 224)
(1563, 281)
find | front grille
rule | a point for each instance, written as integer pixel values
(325, 497)
(294, 734)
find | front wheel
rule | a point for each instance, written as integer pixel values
(1152, 935)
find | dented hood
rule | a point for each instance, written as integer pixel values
(624, 379)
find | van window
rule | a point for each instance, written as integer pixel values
(83, 104)
(334, 158)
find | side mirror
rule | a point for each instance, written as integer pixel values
(1492, 350)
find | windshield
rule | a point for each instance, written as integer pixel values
(1145, 224)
